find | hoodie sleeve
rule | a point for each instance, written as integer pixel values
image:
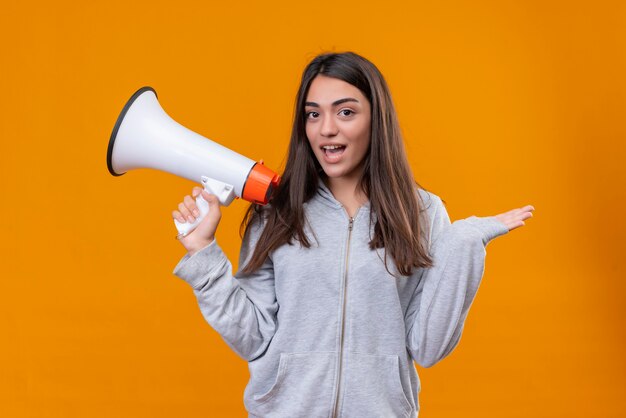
(437, 311)
(241, 308)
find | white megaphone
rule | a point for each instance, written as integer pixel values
(144, 136)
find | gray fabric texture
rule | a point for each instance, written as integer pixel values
(285, 319)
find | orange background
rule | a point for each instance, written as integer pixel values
(503, 103)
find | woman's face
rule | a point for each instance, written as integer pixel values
(338, 119)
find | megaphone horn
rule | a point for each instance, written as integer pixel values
(145, 136)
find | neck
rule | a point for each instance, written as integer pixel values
(346, 190)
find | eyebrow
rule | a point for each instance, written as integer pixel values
(335, 103)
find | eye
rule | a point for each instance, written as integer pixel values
(310, 115)
(346, 112)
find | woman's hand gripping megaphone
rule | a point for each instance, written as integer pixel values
(196, 224)
(194, 212)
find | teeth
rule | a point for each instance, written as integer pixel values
(332, 146)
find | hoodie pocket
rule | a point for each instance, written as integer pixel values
(303, 387)
(373, 387)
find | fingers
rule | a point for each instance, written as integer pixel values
(188, 210)
(190, 203)
(206, 196)
(210, 198)
(526, 208)
(525, 212)
(216, 206)
(522, 213)
(178, 216)
(185, 212)
(196, 191)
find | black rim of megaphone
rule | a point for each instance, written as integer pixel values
(118, 123)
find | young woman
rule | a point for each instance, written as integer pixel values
(352, 272)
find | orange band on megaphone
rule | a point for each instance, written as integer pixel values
(260, 184)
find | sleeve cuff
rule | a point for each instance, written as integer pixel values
(202, 266)
(488, 226)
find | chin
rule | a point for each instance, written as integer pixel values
(333, 172)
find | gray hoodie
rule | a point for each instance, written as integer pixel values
(327, 331)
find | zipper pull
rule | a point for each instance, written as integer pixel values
(350, 224)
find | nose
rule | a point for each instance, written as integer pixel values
(329, 127)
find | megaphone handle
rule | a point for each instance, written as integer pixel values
(225, 194)
(185, 228)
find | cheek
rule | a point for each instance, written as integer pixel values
(363, 139)
(310, 134)
(309, 137)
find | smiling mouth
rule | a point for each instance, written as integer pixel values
(334, 150)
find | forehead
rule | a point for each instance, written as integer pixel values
(325, 90)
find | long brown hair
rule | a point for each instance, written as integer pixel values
(386, 179)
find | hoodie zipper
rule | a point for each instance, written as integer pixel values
(343, 316)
